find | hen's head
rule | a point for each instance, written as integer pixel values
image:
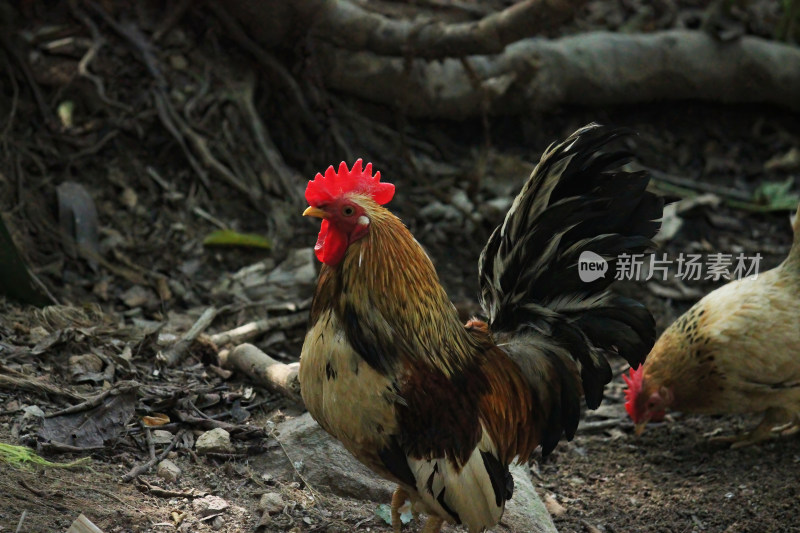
(642, 404)
(344, 200)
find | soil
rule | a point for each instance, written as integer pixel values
(154, 212)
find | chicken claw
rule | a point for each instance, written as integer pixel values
(398, 499)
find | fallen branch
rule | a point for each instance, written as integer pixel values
(264, 370)
(254, 329)
(598, 69)
(143, 468)
(241, 431)
(347, 25)
(175, 353)
(123, 387)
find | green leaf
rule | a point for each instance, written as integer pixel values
(227, 237)
(777, 195)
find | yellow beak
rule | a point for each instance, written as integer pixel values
(315, 212)
(639, 428)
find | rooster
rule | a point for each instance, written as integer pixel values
(737, 350)
(442, 408)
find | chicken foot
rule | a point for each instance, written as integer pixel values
(773, 417)
(433, 525)
(398, 499)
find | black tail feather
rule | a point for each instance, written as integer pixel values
(576, 200)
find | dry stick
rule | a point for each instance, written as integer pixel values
(120, 388)
(264, 370)
(254, 329)
(21, 521)
(349, 26)
(175, 353)
(143, 468)
(210, 423)
(32, 385)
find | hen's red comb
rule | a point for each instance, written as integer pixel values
(323, 189)
(634, 383)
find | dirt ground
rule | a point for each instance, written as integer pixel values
(156, 277)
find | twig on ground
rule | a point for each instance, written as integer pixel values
(175, 353)
(696, 184)
(143, 468)
(599, 426)
(122, 387)
(21, 521)
(144, 485)
(17, 381)
(148, 437)
(240, 430)
(264, 370)
(254, 329)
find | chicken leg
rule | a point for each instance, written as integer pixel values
(773, 417)
(398, 499)
(433, 525)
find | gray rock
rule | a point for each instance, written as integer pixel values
(209, 506)
(161, 436)
(215, 441)
(328, 467)
(271, 503)
(525, 512)
(168, 471)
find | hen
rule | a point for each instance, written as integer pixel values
(442, 408)
(737, 350)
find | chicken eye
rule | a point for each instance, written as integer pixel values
(348, 210)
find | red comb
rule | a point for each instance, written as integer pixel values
(323, 189)
(634, 383)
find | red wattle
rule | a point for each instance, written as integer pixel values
(331, 244)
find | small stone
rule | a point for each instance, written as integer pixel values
(553, 507)
(168, 471)
(215, 441)
(162, 436)
(217, 523)
(209, 505)
(271, 503)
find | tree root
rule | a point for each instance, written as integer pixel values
(597, 69)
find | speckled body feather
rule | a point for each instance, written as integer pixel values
(737, 350)
(442, 408)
